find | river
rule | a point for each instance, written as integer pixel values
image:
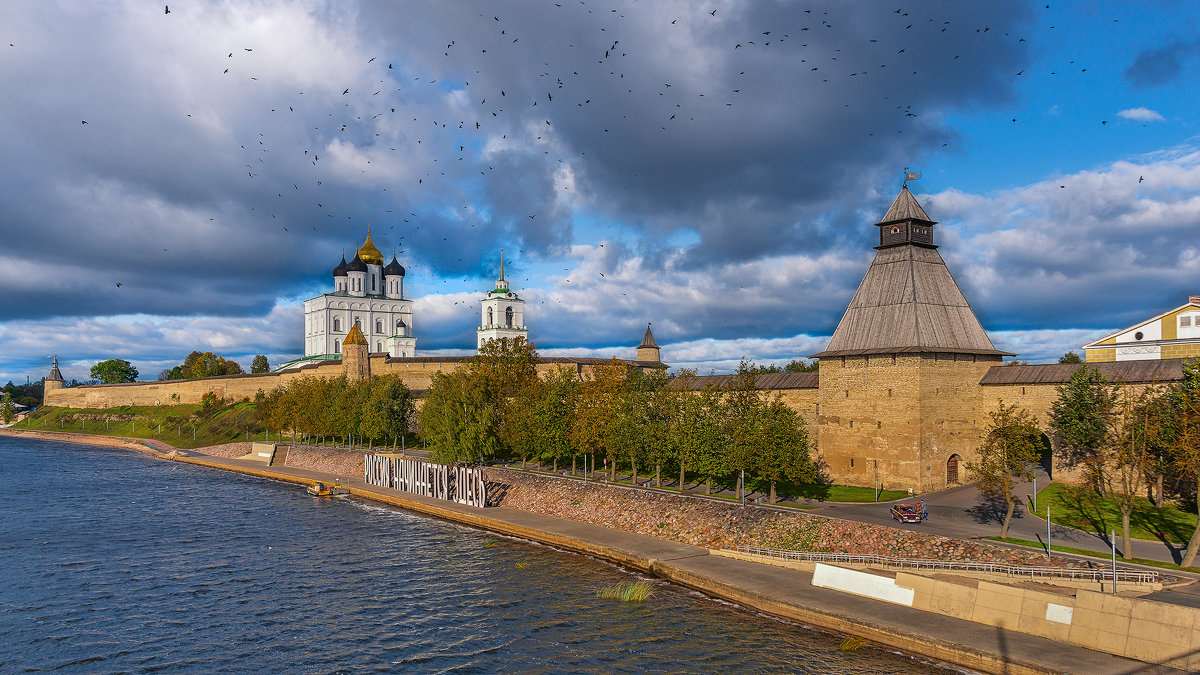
(112, 561)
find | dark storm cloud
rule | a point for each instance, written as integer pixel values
(1160, 65)
(672, 115)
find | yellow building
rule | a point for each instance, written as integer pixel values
(1171, 335)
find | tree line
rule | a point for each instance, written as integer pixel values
(1125, 441)
(499, 408)
(375, 411)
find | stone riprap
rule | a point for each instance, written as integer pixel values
(712, 524)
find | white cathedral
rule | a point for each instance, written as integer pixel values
(371, 295)
(368, 294)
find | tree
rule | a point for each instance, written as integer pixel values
(1070, 357)
(260, 364)
(781, 442)
(1183, 443)
(1133, 456)
(552, 415)
(800, 366)
(114, 371)
(1081, 420)
(7, 410)
(1010, 450)
(164, 374)
(694, 426)
(459, 419)
(387, 407)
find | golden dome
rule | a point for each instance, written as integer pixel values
(368, 253)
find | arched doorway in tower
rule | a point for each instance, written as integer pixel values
(952, 470)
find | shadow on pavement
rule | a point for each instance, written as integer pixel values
(990, 510)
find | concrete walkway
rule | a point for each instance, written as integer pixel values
(773, 590)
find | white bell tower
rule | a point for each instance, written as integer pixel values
(503, 314)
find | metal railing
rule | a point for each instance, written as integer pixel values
(949, 565)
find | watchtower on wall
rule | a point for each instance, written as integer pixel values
(648, 349)
(356, 363)
(53, 381)
(899, 386)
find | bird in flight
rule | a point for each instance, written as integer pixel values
(166, 10)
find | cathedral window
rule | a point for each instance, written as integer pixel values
(508, 313)
(378, 346)
(378, 326)
(337, 347)
(489, 320)
(337, 326)
(372, 283)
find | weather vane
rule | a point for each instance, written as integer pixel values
(910, 175)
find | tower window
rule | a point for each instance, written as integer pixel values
(508, 314)
(489, 319)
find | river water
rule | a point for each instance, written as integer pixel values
(115, 562)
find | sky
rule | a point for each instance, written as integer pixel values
(184, 181)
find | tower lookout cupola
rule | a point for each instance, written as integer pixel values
(54, 380)
(905, 223)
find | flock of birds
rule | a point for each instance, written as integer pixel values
(598, 86)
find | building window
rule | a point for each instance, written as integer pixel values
(1185, 321)
(508, 317)
(378, 346)
(372, 283)
(378, 326)
(337, 347)
(1138, 335)
(489, 319)
(337, 326)
(358, 322)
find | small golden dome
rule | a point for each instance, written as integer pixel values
(368, 253)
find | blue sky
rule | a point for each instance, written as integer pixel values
(715, 168)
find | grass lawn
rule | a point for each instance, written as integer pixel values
(174, 424)
(1085, 510)
(1093, 554)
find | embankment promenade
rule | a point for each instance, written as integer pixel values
(776, 591)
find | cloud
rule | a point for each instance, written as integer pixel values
(1141, 115)
(1160, 65)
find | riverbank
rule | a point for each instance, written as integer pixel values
(780, 592)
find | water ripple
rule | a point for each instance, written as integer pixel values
(115, 562)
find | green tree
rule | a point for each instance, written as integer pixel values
(553, 413)
(1183, 443)
(114, 371)
(800, 366)
(596, 416)
(781, 441)
(1081, 420)
(1133, 456)
(1010, 450)
(387, 408)
(694, 427)
(459, 419)
(260, 364)
(1070, 357)
(7, 410)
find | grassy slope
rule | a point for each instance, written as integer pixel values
(1085, 510)
(238, 422)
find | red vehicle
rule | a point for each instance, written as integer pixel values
(906, 513)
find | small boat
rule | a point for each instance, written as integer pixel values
(320, 489)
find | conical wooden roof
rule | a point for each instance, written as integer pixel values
(355, 336)
(908, 302)
(648, 340)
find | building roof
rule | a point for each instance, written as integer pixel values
(908, 302)
(905, 207)
(356, 265)
(648, 340)
(355, 336)
(55, 375)
(772, 381)
(340, 270)
(1129, 372)
(1193, 301)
